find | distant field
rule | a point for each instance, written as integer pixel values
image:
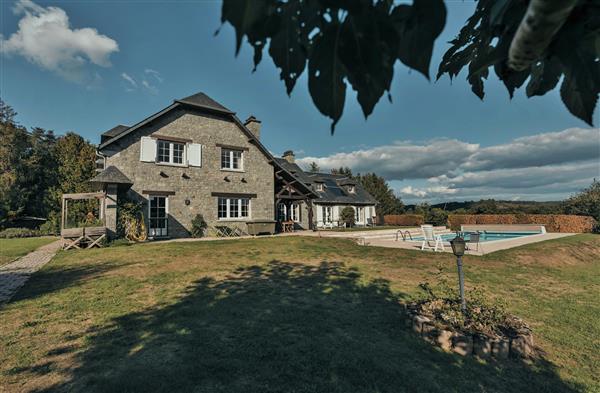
(11, 249)
(289, 314)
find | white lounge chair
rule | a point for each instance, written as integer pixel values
(429, 237)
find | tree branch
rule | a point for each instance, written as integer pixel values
(541, 22)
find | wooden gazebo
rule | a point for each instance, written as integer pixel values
(86, 236)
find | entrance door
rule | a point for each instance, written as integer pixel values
(158, 216)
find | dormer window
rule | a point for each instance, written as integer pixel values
(319, 186)
(351, 189)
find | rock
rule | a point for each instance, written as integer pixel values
(444, 339)
(521, 346)
(482, 346)
(462, 344)
(428, 329)
(500, 348)
(417, 323)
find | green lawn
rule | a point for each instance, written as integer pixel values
(11, 249)
(288, 314)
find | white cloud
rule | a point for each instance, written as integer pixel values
(155, 74)
(542, 166)
(130, 80)
(152, 89)
(45, 38)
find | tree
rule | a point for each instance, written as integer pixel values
(358, 42)
(347, 215)
(345, 171)
(387, 201)
(314, 167)
(586, 203)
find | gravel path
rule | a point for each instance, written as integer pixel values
(15, 274)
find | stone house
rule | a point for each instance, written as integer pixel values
(196, 157)
(334, 192)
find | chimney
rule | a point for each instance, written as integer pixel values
(253, 124)
(289, 156)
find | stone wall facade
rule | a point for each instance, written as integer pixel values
(198, 185)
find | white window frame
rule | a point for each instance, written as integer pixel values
(351, 189)
(150, 218)
(171, 145)
(230, 152)
(319, 186)
(238, 202)
(327, 212)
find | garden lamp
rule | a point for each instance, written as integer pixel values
(458, 249)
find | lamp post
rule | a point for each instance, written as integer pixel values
(458, 249)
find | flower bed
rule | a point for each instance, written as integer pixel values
(485, 329)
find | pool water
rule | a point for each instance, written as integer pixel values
(485, 236)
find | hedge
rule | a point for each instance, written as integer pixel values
(553, 222)
(404, 220)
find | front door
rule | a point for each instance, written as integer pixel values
(158, 216)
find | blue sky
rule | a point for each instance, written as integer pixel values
(142, 55)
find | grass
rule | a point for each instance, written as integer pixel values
(11, 249)
(288, 314)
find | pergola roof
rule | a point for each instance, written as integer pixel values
(111, 175)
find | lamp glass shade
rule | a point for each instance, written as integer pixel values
(458, 246)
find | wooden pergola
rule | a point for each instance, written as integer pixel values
(79, 237)
(290, 190)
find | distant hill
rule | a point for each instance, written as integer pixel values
(490, 206)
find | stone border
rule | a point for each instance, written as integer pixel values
(478, 345)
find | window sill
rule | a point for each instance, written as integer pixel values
(241, 219)
(232, 170)
(174, 165)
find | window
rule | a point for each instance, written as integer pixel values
(327, 214)
(319, 186)
(231, 159)
(294, 212)
(170, 152)
(228, 208)
(351, 189)
(158, 216)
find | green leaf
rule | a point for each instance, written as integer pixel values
(367, 58)
(418, 26)
(326, 74)
(544, 77)
(286, 48)
(243, 15)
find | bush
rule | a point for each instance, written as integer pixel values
(437, 217)
(10, 233)
(405, 220)
(52, 225)
(441, 303)
(199, 226)
(347, 216)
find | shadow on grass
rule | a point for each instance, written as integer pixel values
(54, 279)
(285, 327)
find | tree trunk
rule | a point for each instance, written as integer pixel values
(541, 22)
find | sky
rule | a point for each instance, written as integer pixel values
(86, 66)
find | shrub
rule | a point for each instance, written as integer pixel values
(130, 220)
(347, 216)
(199, 226)
(437, 217)
(405, 220)
(52, 224)
(10, 233)
(441, 303)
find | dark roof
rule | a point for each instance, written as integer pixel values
(203, 101)
(332, 190)
(113, 132)
(111, 175)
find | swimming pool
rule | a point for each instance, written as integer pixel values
(485, 236)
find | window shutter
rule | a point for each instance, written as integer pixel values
(195, 154)
(148, 149)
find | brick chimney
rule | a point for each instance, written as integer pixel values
(253, 124)
(289, 156)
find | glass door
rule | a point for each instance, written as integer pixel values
(158, 216)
